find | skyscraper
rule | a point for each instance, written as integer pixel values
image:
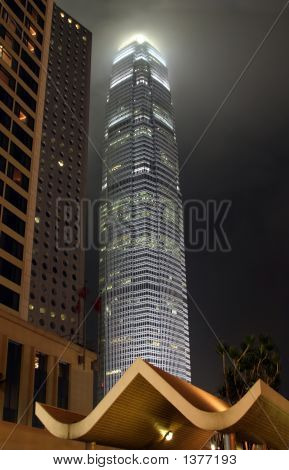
(57, 273)
(142, 265)
(24, 38)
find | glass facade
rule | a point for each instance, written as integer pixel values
(142, 264)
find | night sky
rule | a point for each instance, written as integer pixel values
(243, 158)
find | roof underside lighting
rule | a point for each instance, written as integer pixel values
(169, 435)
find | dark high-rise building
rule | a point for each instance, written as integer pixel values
(57, 273)
(24, 40)
(142, 281)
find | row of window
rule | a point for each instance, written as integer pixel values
(12, 382)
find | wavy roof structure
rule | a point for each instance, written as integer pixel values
(147, 402)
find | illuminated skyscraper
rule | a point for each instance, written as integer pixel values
(142, 264)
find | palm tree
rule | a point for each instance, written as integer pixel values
(256, 358)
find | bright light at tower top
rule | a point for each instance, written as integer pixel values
(139, 38)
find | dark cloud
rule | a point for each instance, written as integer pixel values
(244, 156)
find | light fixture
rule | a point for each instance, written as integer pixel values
(32, 31)
(169, 435)
(22, 116)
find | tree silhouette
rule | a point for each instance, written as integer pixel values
(256, 358)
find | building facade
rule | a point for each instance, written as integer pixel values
(24, 40)
(142, 264)
(57, 273)
(37, 365)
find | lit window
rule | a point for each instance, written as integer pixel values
(22, 116)
(42, 310)
(157, 56)
(61, 163)
(63, 317)
(62, 15)
(32, 31)
(31, 307)
(116, 167)
(31, 47)
(37, 220)
(161, 80)
(77, 26)
(116, 81)
(123, 54)
(84, 38)
(69, 20)
(5, 56)
(52, 314)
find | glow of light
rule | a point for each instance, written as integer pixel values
(161, 80)
(157, 56)
(123, 54)
(116, 81)
(213, 447)
(61, 163)
(139, 38)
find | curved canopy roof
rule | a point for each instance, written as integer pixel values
(147, 402)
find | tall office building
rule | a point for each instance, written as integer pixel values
(142, 280)
(24, 38)
(57, 273)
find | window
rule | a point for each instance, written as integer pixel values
(9, 298)
(30, 62)
(12, 382)
(13, 222)
(28, 79)
(20, 156)
(63, 386)
(39, 384)
(2, 165)
(15, 199)
(35, 15)
(18, 177)
(5, 120)
(9, 271)
(6, 98)
(33, 31)
(25, 138)
(15, 8)
(25, 96)
(10, 245)
(6, 78)
(5, 56)
(40, 5)
(4, 141)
